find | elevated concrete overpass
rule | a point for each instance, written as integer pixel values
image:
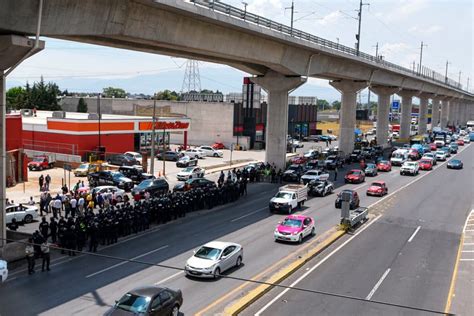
(281, 58)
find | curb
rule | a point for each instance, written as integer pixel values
(281, 275)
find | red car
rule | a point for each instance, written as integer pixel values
(299, 160)
(378, 188)
(384, 165)
(355, 176)
(433, 147)
(426, 164)
(414, 154)
(460, 142)
(218, 146)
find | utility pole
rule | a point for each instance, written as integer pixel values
(98, 111)
(459, 80)
(446, 75)
(153, 136)
(292, 8)
(467, 86)
(245, 8)
(413, 66)
(421, 56)
(376, 50)
(360, 22)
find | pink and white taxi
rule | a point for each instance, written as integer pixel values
(295, 228)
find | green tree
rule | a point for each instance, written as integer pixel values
(16, 97)
(336, 105)
(82, 106)
(322, 104)
(111, 92)
(167, 95)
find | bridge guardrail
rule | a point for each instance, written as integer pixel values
(232, 11)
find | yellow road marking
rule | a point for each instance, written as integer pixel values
(453, 280)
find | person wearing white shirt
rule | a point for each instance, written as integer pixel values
(73, 204)
(57, 204)
(80, 205)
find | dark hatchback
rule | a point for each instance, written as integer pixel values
(154, 186)
(148, 300)
(122, 160)
(193, 184)
(353, 202)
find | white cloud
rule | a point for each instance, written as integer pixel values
(400, 53)
(425, 30)
(405, 9)
(330, 18)
(266, 8)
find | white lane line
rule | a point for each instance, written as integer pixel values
(169, 278)
(315, 267)
(248, 214)
(377, 285)
(469, 230)
(414, 234)
(467, 251)
(466, 259)
(468, 244)
(125, 262)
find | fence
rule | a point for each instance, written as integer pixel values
(60, 148)
(261, 21)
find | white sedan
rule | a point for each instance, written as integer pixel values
(314, 175)
(3, 271)
(190, 173)
(195, 153)
(466, 139)
(137, 156)
(208, 151)
(22, 213)
(214, 258)
(118, 193)
(441, 155)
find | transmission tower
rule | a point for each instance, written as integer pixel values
(192, 78)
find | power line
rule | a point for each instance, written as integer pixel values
(349, 297)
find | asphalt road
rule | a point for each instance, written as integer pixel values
(89, 285)
(405, 257)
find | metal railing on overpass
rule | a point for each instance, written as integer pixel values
(232, 11)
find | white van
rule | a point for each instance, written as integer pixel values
(399, 156)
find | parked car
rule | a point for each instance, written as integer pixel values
(84, 169)
(41, 162)
(295, 228)
(354, 176)
(208, 151)
(314, 174)
(293, 173)
(118, 193)
(148, 301)
(214, 258)
(320, 187)
(194, 183)
(218, 146)
(20, 212)
(186, 161)
(122, 160)
(154, 186)
(169, 155)
(370, 170)
(384, 165)
(3, 271)
(455, 164)
(136, 174)
(113, 178)
(195, 153)
(378, 188)
(137, 156)
(353, 202)
(410, 167)
(189, 173)
(426, 164)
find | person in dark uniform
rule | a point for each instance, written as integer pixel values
(53, 227)
(13, 225)
(93, 232)
(44, 228)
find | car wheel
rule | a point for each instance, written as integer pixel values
(300, 239)
(40, 168)
(217, 273)
(216, 155)
(28, 218)
(313, 231)
(175, 310)
(238, 262)
(290, 210)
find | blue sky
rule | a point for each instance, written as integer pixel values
(398, 26)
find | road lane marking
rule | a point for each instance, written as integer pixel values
(316, 266)
(469, 230)
(169, 278)
(466, 260)
(248, 214)
(469, 244)
(125, 262)
(377, 285)
(468, 251)
(414, 234)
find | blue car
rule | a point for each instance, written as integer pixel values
(453, 148)
(446, 150)
(455, 164)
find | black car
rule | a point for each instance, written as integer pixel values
(370, 170)
(193, 184)
(315, 164)
(333, 161)
(353, 202)
(108, 177)
(186, 161)
(169, 155)
(320, 187)
(148, 300)
(356, 155)
(293, 173)
(455, 164)
(367, 153)
(136, 174)
(122, 160)
(154, 186)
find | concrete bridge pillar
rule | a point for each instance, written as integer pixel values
(405, 118)
(383, 108)
(464, 115)
(435, 112)
(277, 87)
(423, 115)
(444, 113)
(451, 112)
(347, 115)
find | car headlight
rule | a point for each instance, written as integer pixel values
(294, 233)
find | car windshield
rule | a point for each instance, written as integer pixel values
(312, 173)
(283, 195)
(188, 169)
(133, 303)
(354, 172)
(291, 222)
(144, 184)
(425, 161)
(383, 162)
(117, 175)
(83, 166)
(410, 164)
(370, 166)
(208, 253)
(38, 159)
(376, 184)
(293, 168)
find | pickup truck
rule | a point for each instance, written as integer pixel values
(410, 167)
(113, 178)
(289, 197)
(136, 174)
(41, 162)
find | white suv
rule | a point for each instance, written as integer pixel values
(410, 167)
(208, 151)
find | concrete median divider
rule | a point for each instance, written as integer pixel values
(253, 295)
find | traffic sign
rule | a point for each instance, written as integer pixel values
(67, 167)
(395, 105)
